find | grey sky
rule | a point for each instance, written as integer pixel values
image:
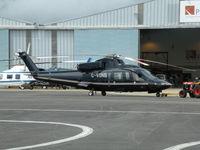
(47, 11)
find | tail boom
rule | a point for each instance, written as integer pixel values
(29, 63)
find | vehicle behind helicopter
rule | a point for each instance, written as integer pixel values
(16, 76)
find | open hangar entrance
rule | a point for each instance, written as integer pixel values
(179, 47)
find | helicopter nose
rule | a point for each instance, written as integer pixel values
(165, 85)
(159, 86)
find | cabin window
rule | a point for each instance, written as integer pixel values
(17, 76)
(136, 77)
(117, 76)
(9, 76)
(29, 77)
(1, 76)
(127, 76)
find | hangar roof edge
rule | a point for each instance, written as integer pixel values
(41, 27)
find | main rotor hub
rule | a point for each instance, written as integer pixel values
(113, 56)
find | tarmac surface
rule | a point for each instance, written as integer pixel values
(72, 120)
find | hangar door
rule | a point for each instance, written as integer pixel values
(182, 47)
(107, 41)
(156, 56)
(4, 49)
(44, 43)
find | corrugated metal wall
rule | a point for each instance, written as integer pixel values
(65, 46)
(4, 49)
(152, 13)
(41, 45)
(9, 22)
(17, 43)
(155, 13)
(118, 17)
(161, 12)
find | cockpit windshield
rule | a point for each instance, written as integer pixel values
(146, 74)
(120, 62)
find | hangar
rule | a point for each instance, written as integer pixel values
(162, 30)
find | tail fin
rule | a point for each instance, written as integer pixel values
(29, 63)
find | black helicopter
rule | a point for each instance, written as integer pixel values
(106, 74)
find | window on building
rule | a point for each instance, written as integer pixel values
(9, 76)
(17, 76)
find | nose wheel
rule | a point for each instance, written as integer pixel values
(103, 93)
(158, 94)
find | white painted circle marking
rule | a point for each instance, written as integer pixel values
(183, 146)
(177, 147)
(85, 132)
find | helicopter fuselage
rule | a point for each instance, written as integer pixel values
(118, 79)
(107, 74)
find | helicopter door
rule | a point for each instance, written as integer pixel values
(127, 76)
(117, 77)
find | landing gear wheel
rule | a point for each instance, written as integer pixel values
(197, 92)
(163, 95)
(91, 93)
(158, 94)
(103, 93)
(182, 94)
(64, 87)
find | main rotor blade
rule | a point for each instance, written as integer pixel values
(45, 57)
(72, 61)
(135, 60)
(165, 64)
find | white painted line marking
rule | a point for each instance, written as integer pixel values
(85, 132)
(104, 111)
(183, 146)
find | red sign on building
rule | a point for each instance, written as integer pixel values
(189, 10)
